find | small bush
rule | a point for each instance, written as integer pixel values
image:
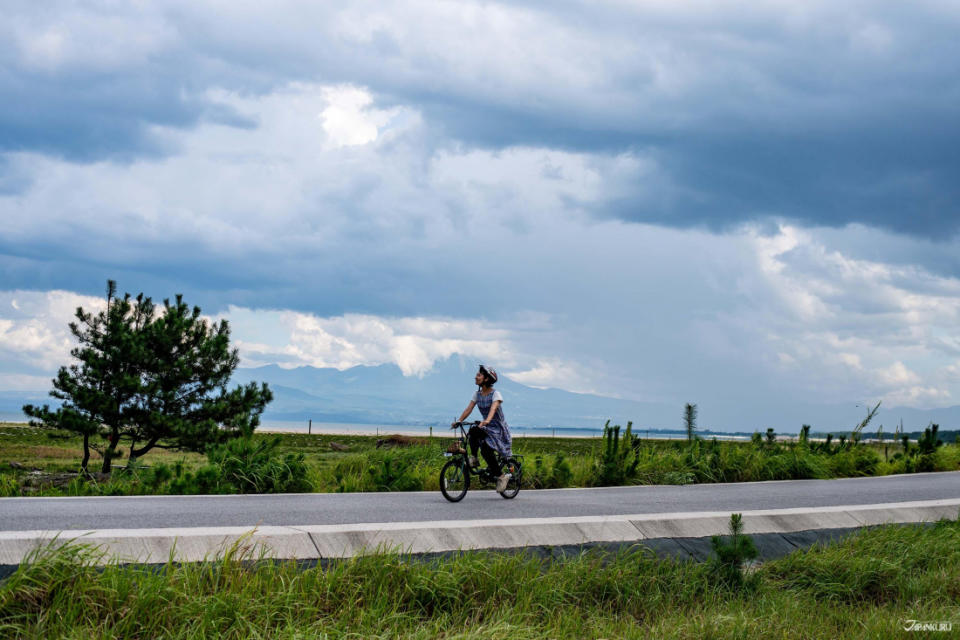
(159, 475)
(243, 465)
(614, 466)
(9, 487)
(349, 474)
(561, 474)
(543, 475)
(392, 472)
(928, 442)
(731, 553)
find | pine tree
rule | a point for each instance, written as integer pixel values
(690, 421)
(154, 380)
(99, 389)
(185, 403)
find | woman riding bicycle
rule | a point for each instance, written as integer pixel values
(492, 434)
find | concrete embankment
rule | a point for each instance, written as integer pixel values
(777, 531)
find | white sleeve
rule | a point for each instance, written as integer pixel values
(497, 396)
(474, 398)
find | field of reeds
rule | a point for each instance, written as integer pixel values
(44, 462)
(871, 585)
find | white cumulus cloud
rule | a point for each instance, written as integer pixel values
(34, 331)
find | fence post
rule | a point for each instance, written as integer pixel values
(309, 426)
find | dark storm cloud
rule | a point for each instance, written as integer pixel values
(906, 183)
(823, 114)
(93, 116)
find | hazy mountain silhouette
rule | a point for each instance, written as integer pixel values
(382, 394)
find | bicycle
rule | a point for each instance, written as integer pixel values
(456, 472)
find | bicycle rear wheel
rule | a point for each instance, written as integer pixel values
(512, 467)
(454, 479)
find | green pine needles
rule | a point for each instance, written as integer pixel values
(731, 553)
(150, 378)
(690, 421)
(619, 460)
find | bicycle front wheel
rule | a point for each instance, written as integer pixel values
(454, 480)
(512, 467)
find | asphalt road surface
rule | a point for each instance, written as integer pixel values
(23, 514)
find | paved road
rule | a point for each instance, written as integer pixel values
(22, 514)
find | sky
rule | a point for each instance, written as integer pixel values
(730, 203)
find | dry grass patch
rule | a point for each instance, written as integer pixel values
(50, 452)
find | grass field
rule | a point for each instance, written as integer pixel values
(867, 586)
(31, 458)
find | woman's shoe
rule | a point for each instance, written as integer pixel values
(502, 482)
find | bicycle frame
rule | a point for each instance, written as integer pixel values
(465, 446)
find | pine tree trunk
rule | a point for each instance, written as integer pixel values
(86, 454)
(111, 451)
(150, 445)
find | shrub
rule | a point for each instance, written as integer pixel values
(613, 468)
(928, 442)
(561, 474)
(731, 553)
(690, 421)
(244, 465)
(391, 472)
(926, 462)
(349, 474)
(159, 475)
(9, 487)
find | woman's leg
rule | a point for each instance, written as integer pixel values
(474, 437)
(490, 457)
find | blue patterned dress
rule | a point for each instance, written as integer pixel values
(498, 433)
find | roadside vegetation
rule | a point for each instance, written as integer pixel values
(37, 461)
(147, 379)
(867, 585)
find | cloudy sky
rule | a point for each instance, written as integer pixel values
(729, 203)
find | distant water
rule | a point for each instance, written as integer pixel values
(438, 430)
(417, 430)
(345, 428)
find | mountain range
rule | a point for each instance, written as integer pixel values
(383, 395)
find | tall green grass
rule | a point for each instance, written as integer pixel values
(861, 587)
(298, 462)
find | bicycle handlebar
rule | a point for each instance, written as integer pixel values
(461, 424)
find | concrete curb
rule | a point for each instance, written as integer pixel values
(320, 542)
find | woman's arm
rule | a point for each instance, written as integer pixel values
(466, 412)
(493, 412)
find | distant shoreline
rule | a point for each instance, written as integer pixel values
(374, 430)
